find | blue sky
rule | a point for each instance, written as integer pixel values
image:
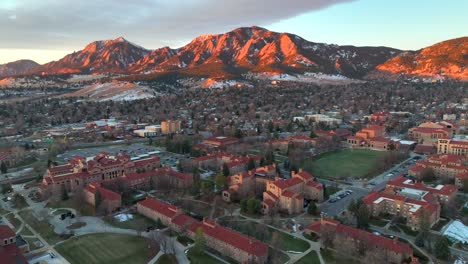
(49, 29)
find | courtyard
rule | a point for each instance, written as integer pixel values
(105, 249)
(346, 163)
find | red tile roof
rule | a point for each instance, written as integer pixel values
(11, 254)
(233, 238)
(358, 234)
(283, 184)
(6, 232)
(447, 189)
(183, 220)
(160, 207)
(167, 171)
(105, 193)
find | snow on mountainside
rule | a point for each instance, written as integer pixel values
(17, 67)
(114, 91)
(445, 59)
(257, 49)
(250, 50)
(97, 57)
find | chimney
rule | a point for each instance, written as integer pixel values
(300, 170)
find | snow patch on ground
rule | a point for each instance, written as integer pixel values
(457, 231)
(308, 77)
(114, 91)
(85, 77)
(123, 217)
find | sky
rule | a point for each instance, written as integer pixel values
(47, 30)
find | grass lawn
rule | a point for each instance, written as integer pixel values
(311, 258)
(184, 240)
(167, 259)
(377, 222)
(26, 232)
(105, 249)
(42, 227)
(3, 211)
(139, 222)
(312, 237)
(331, 257)
(13, 220)
(330, 190)
(31, 242)
(283, 257)
(85, 209)
(344, 163)
(202, 258)
(407, 230)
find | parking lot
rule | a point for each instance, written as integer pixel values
(336, 204)
(135, 150)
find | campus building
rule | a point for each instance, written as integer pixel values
(170, 127)
(12, 247)
(237, 246)
(79, 171)
(235, 164)
(109, 200)
(451, 146)
(443, 165)
(392, 249)
(249, 183)
(429, 133)
(287, 195)
(418, 190)
(217, 142)
(410, 209)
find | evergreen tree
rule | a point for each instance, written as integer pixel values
(312, 134)
(3, 168)
(312, 208)
(441, 248)
(251, 164)
(97, 199)
(226, 171)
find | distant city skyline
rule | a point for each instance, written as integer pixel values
(48, 30)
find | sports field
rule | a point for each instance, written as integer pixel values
(344, 163)
(105, 249)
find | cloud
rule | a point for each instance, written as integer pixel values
(70, 24)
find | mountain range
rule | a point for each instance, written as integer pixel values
(255, 49)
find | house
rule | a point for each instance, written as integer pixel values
(394, 250)
(11, 252)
